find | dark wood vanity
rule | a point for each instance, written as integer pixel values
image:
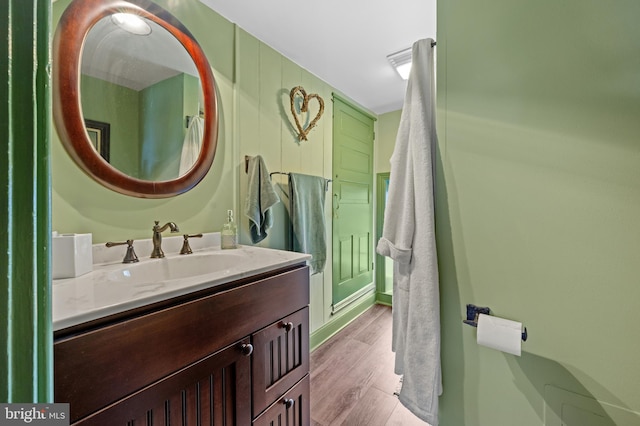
(235, 354)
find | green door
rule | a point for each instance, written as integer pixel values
(352, 200)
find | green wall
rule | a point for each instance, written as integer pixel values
(123, 108)
(388, 124)
(162, 146)
(538, 205)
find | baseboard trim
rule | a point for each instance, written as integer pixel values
(384, 299)
(340, 320)
(348, 301)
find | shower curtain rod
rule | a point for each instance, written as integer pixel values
(433, 44)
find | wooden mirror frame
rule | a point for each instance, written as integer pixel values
(75, 23)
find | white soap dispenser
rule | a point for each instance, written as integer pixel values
(229, 234)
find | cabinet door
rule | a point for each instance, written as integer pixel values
(212, 391)
(281, 358)
(291, 410)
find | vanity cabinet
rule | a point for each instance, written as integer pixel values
(235, 354)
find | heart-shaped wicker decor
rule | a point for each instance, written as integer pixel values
(298, 90)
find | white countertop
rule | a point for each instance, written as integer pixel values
(110, 289)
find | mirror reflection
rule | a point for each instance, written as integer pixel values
(139, 83)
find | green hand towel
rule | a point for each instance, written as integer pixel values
(261, 197)
(307, 194)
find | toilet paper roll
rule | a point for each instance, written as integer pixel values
(499, 333)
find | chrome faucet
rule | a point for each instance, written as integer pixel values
(157, 237)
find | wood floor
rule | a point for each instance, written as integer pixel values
(352, 379)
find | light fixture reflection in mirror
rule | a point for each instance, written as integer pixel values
(71, 50)
(131, 23)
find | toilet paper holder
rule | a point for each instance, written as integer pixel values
(472, 317)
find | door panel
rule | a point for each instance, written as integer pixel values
(364, 254)
(353, 194)
(345, 259)
(355, 161)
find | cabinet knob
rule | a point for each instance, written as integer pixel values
(288, 402)
(246, 348)
(288, 326)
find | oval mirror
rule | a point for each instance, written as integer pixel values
(134, 97)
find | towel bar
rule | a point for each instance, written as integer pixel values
(326, 184)
(246, 170)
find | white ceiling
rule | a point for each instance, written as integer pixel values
(343, 42)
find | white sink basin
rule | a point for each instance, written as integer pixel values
(177, 268)
(116, 287)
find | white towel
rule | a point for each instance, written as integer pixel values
(260, 198)
(191, 145)
(408, 237)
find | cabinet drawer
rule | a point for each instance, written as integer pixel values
(95, 368)
(292, 409)
(214, 391)
(281, 358)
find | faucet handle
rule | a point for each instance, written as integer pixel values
(130, 256)
(186, 249)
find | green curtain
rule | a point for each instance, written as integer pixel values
(26, 366)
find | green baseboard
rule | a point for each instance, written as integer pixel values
(384, 299)
(340, 320)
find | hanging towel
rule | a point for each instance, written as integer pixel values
(408, 237)
(307, 195)
(260, 198)
(191, 145)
